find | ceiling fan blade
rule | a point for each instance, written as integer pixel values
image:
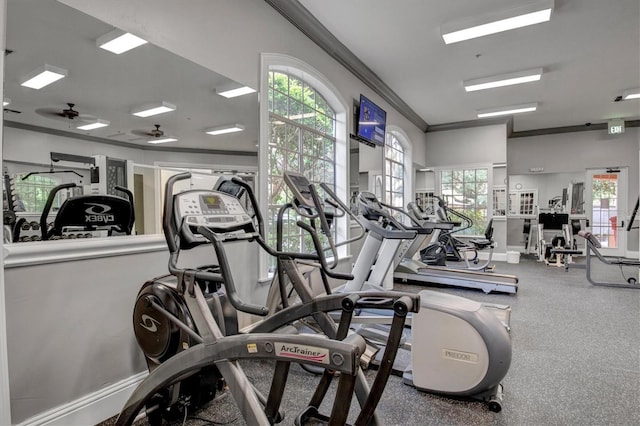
(49, 112)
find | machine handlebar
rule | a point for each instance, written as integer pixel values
(47, 207)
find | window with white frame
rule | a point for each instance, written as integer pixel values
(302, 138)
(394, 159)
(31, 194)
(466, 190)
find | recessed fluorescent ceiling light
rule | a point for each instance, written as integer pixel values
(534, 13)
(118, 41)
(503, 80)
(631, 94)
(235, 91)
(220, 130)
(162, 140)
(154, 109)
(94, 125)
(6, 101)
(514, 109)
(44, 76)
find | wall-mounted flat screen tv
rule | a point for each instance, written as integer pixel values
(372, 121)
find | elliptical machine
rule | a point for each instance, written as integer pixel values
(184, 323)
(459, 347)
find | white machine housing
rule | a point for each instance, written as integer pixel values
(462, 347)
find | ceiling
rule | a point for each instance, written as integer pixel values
(590, 52)
(108, 86)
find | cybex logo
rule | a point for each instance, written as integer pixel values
(149, 323)
(98, 213)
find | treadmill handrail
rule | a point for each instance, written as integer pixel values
(389, 233)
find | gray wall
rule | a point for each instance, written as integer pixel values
(69, 329)
(573, 152)
(483, 144)
(5, 410)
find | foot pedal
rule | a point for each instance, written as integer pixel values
(309, 415)
(400, 364)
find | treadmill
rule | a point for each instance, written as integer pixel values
(411, 270)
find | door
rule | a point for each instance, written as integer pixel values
(606, 200)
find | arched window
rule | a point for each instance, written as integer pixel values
(301, 139)
(305, 132)
(398, 169)
(394, 171)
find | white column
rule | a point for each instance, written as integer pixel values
(5, 402)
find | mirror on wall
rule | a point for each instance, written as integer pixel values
(47, 142)
(530, 195)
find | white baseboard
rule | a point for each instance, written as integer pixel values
(633, 254)
(91, 409)
(498, 257)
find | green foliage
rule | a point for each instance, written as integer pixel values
(302, 138)
(34, 191)
(467, 191)
(604, 188)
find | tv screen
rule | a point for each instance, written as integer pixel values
(372, 121)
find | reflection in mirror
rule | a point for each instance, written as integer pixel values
(538, 194)
(150, 188)
(546, 193)
(425, 184)
(70, 211)
(46, 139)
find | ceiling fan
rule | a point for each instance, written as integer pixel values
(152, 136)
(64, 114)
(155, 133)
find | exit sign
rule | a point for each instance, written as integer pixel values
(615, 127)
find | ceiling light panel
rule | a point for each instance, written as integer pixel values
(530, 14)
(519, 77)
(43, 76)
(96, 124)
(234, 91)
(153, 109)
(221, 130)
(162, 140)
(507, 110)
(118, 41)
(631, 94)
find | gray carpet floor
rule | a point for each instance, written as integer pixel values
(576, 360)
